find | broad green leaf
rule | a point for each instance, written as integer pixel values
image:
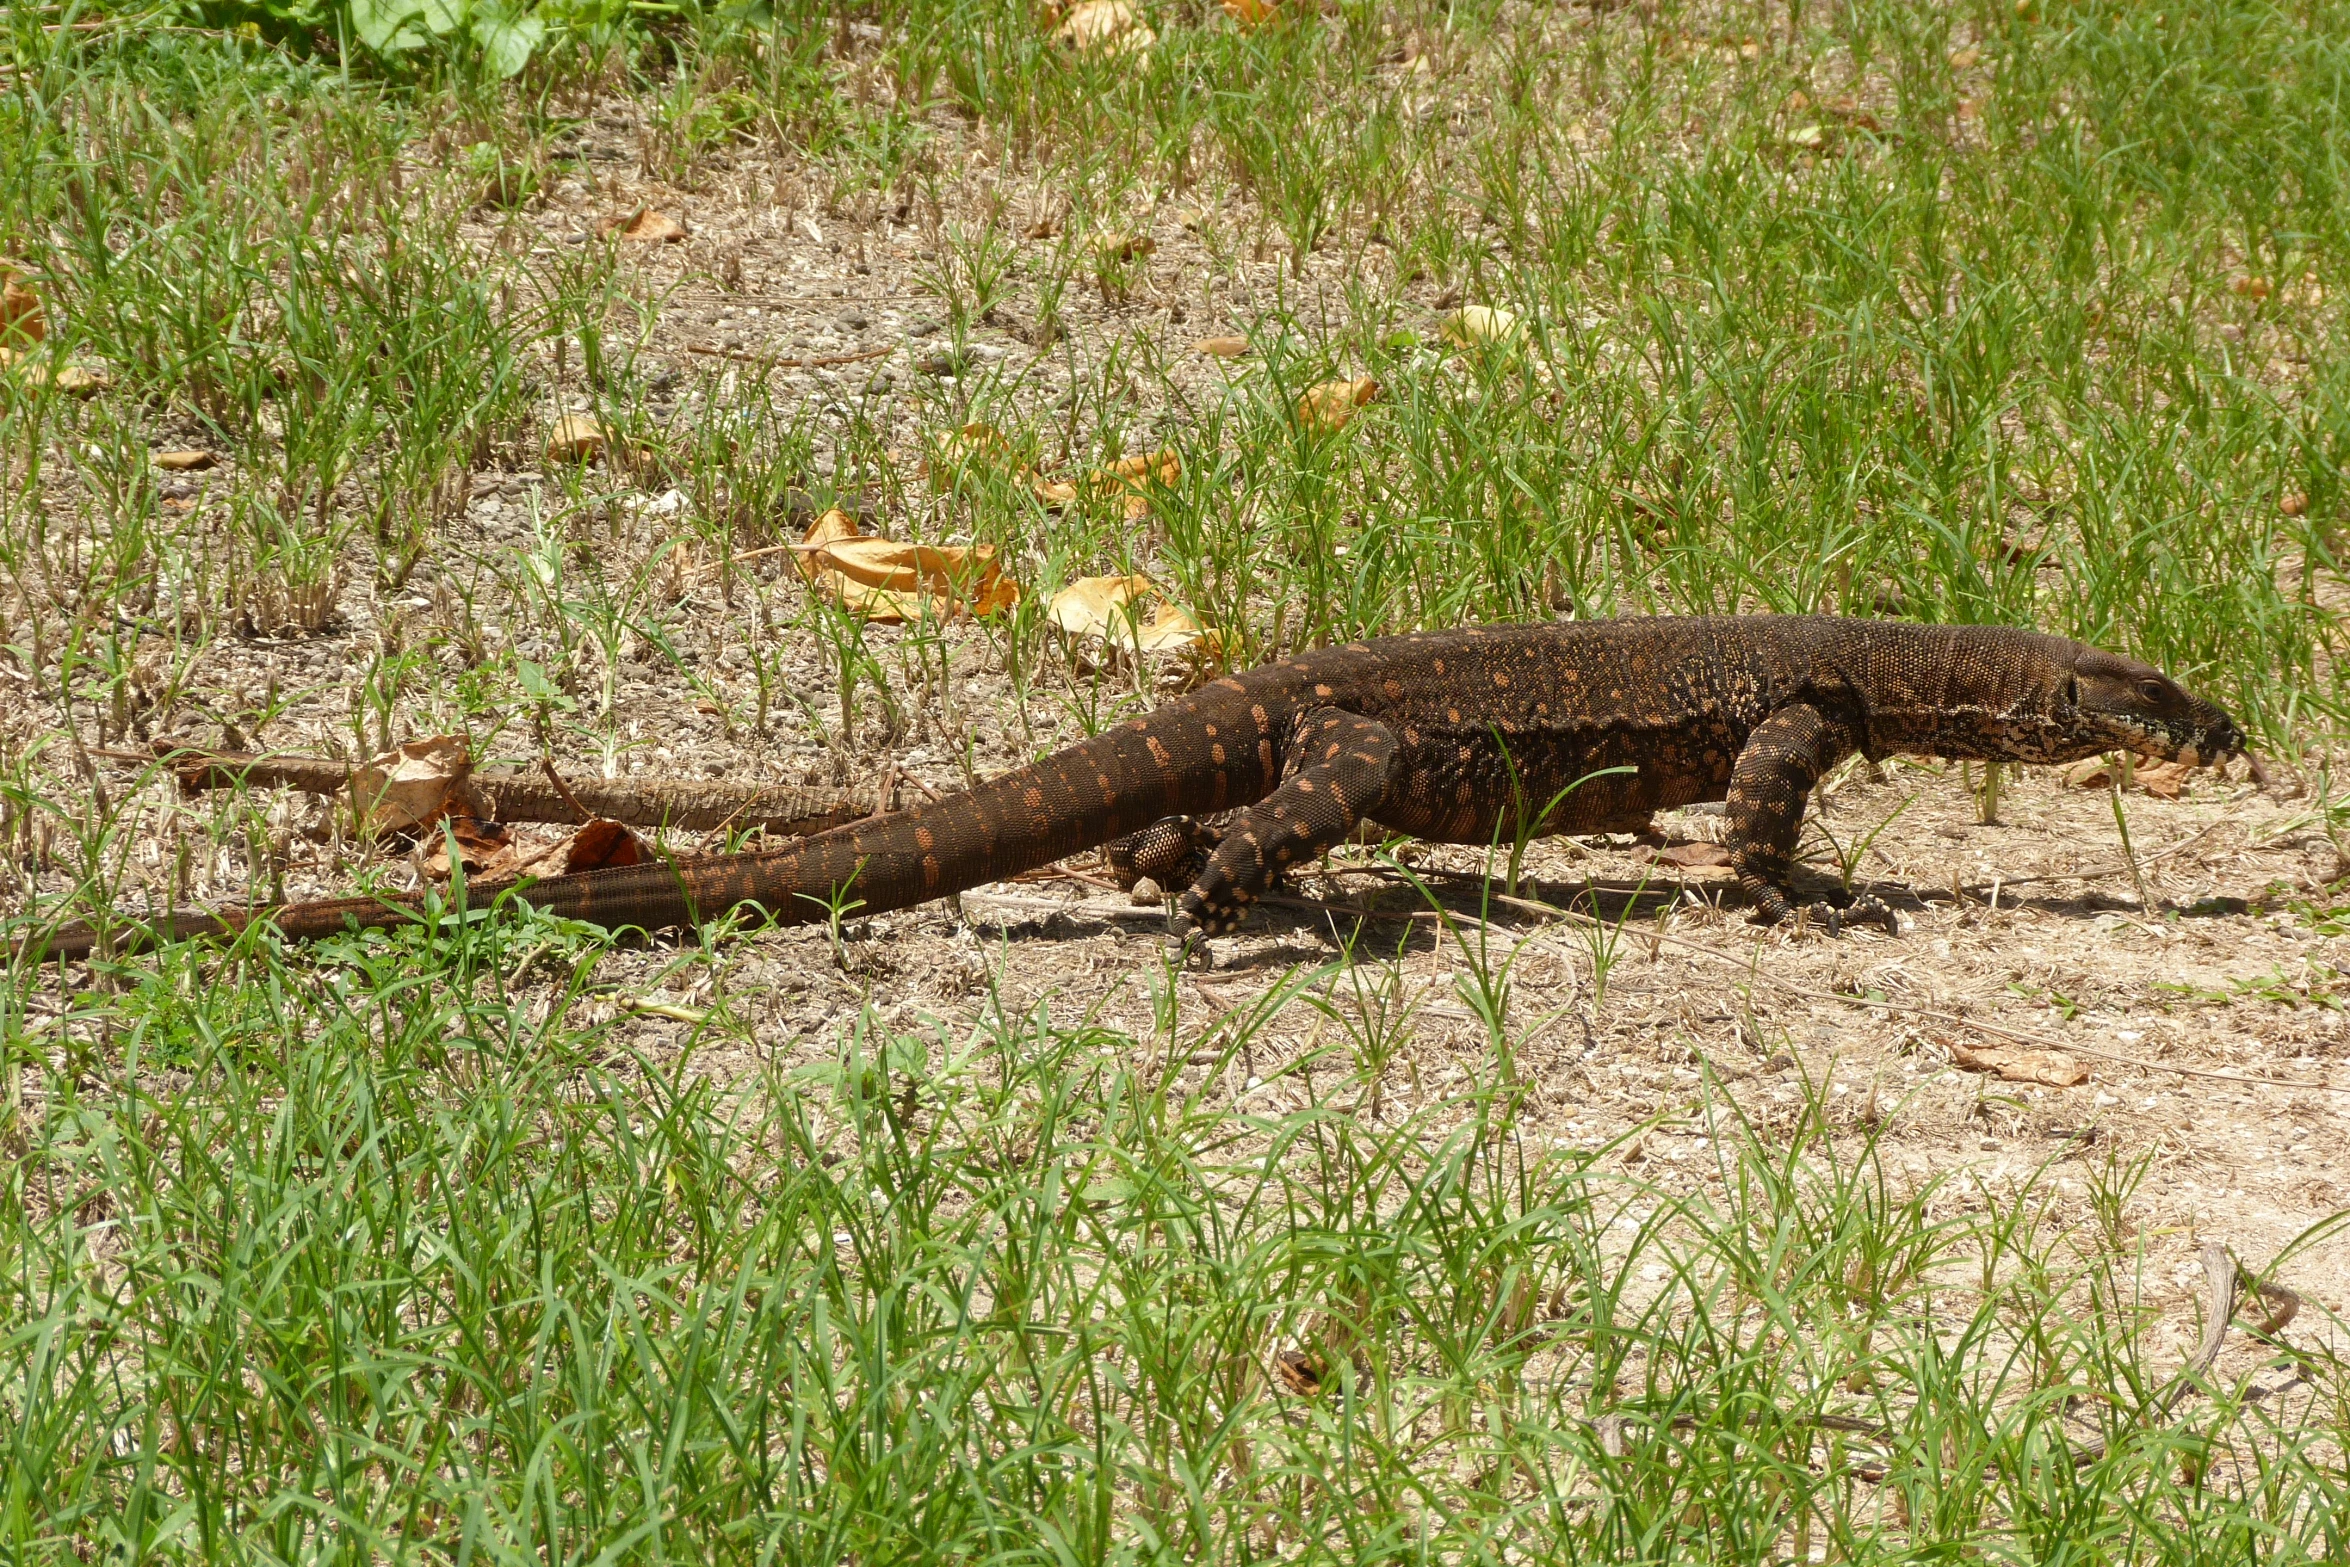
(507, 38)
(443, 16)
(378, 22)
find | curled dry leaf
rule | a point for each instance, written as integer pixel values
(75, 381)
(885, 580)
(1105, 608)
(483, 848)
(976, 445)
(192, 460)
(1331, 406)
(1128, 480)
(1109, 26)
(2049, 1068)
(1248, 13)
(601, 844)
(1474, 326)
(1221, 347)
(833, 526)
(21, 320)
(2163, 780)
(413, 785)
(577, 438)
(1297, 1373)
(646, 227)
(2293, 503)
(1120, 245)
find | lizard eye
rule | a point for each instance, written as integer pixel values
(2152, 690)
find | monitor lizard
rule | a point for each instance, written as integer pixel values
(1456, 736)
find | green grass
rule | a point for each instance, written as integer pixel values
(370, 1259)
(1982, 312)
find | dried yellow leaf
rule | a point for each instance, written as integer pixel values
(577, 438)
(191, 460)
(1110, 26)
(1330, 407)
(21, 320)
(886, 580)
(1119, 245)
(1474, 325)
(976, 445)
(646, 227)
(1104, 608)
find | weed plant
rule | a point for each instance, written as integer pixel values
(409, 1250)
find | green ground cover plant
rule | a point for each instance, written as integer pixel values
(409, 1250)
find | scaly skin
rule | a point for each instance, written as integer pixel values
(1453, 736)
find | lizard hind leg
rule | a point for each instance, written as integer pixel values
(1782, 759)
(1171, 851)
(1339, 774)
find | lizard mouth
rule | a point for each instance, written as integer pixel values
(2211, 747)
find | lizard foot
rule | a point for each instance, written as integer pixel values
(1830, 913)
(1202, 918)
(1171, 851)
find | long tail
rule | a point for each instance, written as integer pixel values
(1075, 799)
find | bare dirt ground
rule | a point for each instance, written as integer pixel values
(2209, 1018)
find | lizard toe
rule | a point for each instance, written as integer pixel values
(1869, 909)
(1205, 918)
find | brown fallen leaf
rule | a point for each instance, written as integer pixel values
(2293, 503)
(1330, 407)
(484, 848)
(1120, 245)
(1221, 347)
(2163, 780)
(188, 461)
(1297, 1373)
(2254, 288)
(413, 785)
(2049, 1068)
(646, 227)
(1129, 479)
(1694, 856)
(1249, 13)
(976, 445)
(577, 438)
(830, 528)
(21, 320)
(601, 844)
(1110, 26)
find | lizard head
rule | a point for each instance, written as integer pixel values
(2119, 704)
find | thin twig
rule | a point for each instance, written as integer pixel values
(771, 362)
(547, 764)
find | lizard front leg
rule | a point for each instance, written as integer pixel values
(1782, 759)
(1344, 761)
